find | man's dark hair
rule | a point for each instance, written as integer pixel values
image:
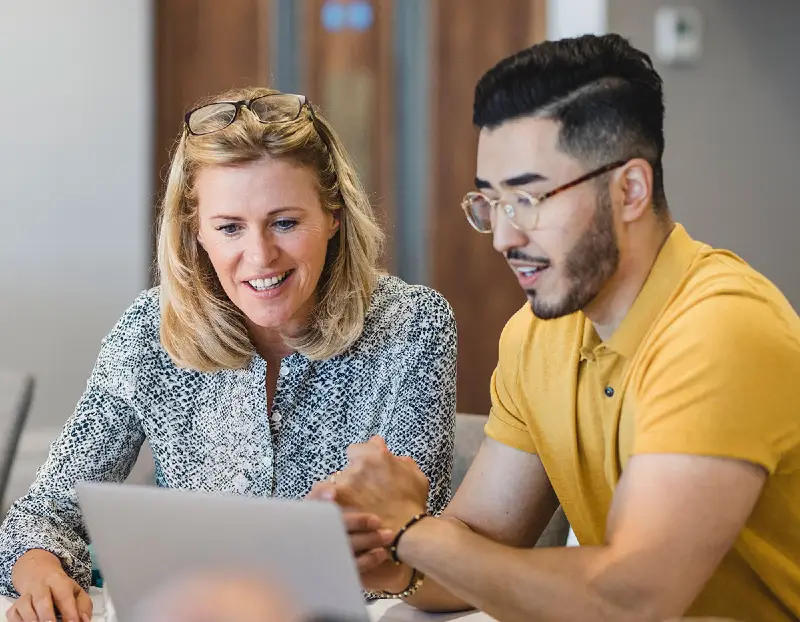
(605, 94)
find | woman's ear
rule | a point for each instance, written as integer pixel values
(336, 223)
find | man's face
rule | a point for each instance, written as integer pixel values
(562, 264)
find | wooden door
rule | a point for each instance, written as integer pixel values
(469, 37)
(349, 73)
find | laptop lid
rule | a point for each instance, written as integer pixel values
(145, 537)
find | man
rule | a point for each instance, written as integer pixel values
(651, 386)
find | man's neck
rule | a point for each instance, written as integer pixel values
(615, 300)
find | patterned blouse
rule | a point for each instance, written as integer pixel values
(210, 431)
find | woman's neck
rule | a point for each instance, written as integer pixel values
(270, 344)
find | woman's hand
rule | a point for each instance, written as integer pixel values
(367, 540)
(45, 589)
(367, 537)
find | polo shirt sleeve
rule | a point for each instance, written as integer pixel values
(506, 423)
(721, 380)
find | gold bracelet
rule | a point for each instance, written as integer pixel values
(417, 579)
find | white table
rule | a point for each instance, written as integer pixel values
(396, 611)
(380, 611)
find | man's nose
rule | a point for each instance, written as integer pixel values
(506, 236)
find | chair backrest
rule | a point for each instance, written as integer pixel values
(469, 436)
(16, 395)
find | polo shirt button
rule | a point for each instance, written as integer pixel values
(609, 391)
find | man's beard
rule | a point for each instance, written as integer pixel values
(590, 263)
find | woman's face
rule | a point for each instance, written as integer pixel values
(266, 234)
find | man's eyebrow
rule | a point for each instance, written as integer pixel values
(523, 180)
(512, 182)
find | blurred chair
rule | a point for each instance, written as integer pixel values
(16, 394)
(144, 471)
(469, 436)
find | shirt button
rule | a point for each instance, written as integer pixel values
(284, 370)
(267, 461)
(609, 391)
(276, 416)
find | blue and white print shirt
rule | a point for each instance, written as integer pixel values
(212, 432)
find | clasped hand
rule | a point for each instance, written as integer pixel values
(379, 492)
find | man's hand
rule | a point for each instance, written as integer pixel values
(377, 482)
(379, 493)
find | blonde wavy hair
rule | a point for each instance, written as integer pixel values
(200, 327)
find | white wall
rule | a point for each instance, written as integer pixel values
(75, 187)
(572, 18)
(732, 129)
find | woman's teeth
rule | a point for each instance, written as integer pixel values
(271, 283)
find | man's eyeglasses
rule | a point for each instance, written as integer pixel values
(521, 208)
(270, 108)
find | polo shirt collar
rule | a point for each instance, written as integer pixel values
(668, 271)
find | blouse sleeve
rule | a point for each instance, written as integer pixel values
(423, 422)
(99, 442)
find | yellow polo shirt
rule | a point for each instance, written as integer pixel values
(706, 362)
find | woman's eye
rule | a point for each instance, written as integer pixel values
(229, 229)
(285, 224)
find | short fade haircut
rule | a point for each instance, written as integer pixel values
(604, 93)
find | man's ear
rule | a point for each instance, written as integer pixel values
(634, 183)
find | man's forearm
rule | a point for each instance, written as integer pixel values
(517, 584)
(431, 596)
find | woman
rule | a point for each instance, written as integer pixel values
(271, 345)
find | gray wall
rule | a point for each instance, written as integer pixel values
(75, 186)
(733, 129)
(75, 179)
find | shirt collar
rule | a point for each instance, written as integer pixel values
(667, 272)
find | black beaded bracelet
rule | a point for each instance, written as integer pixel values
(403, 529)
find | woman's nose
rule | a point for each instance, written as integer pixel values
(263, 250)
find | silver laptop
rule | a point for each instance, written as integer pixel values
(144, 537)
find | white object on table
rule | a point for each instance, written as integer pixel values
(398, 611)
(379, 611)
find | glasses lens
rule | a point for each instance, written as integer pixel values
(212, 118)
(525, 210)
(479, 211)
(277, 108)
